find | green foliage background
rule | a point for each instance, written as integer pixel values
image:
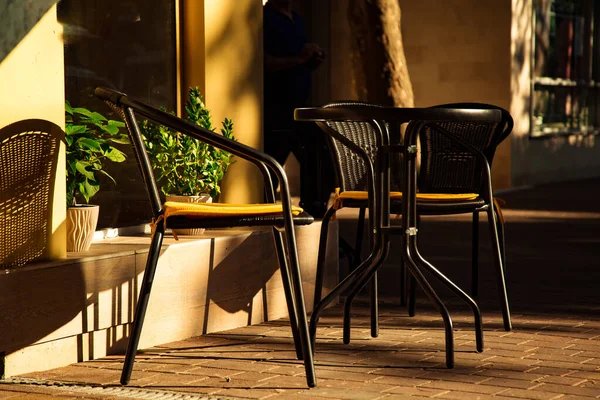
(89, 136)
(183, 165)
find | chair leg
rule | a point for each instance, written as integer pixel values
(500, 225)
(373, 296)
(374, 302)
(142, 305)
(475, 255)
(369, 275)
(287, 288)
(403, 282)
(360, 230)
(300, 307)
(498, 261)
(321, 258)
(412, 292)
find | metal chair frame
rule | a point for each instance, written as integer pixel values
(286, 252)
(500, 133)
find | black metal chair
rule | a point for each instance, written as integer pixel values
(376, 181)
(29, 153)
(282, 217)
(454, 178)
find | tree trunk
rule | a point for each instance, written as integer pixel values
(378, 61)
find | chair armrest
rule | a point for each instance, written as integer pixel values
(263, 161)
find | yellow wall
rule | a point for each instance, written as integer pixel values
(456, 50)
(459, 50)
(32, 86)
(222, 53)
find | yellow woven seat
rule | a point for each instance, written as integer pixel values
(426, 197)
(360, 195)
(208, 210)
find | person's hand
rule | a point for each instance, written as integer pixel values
(309, 50)
(312, 55)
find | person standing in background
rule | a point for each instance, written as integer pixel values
(288, 64)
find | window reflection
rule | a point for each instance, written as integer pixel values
(128, 46)
(566, 67)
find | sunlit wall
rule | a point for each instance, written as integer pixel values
(222, 53)
(32, 85)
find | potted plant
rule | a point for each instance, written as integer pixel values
(89, 137)
(187, 169)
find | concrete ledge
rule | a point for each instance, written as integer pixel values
(79, 309)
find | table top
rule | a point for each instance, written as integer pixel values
(399, 114)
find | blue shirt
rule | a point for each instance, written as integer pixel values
(285, 89)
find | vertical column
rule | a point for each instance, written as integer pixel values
(222, 54)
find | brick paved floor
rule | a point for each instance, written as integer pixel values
(547, 356)
(552, 353)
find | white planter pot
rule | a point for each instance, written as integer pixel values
(81, 225)
(204, 198)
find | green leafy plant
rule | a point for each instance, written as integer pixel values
(183, 165)
(89, 136)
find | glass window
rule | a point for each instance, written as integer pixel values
(566, 65)
(127, 45)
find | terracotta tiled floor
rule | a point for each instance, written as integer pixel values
(553, 351)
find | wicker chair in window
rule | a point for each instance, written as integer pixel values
(282, 217)
(29, 157)
(454, 178)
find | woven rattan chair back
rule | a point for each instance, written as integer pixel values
(351, 171)
(448, 167)
(29, 157)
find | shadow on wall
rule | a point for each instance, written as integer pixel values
(235, 280)
(17, 18)
(29, 152)
(200, 287)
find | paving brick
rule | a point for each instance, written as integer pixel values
(530, 394)
(556, 357)
(357, 368)
(402, 372)
(341, 393)
(511, 383)
(550, 370)
(246, 394)
(286, 382)
(303, 395)
(345, 375)
(160, 380)
(591, 375)
(464, 387)
(238, 365)
(471, 396)
(569, 366)
(562, 380)
(76, 373)
(593, 390)
(498, 373)
(373, 386)
(400, 381)
(416, 391)
(453, 377)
